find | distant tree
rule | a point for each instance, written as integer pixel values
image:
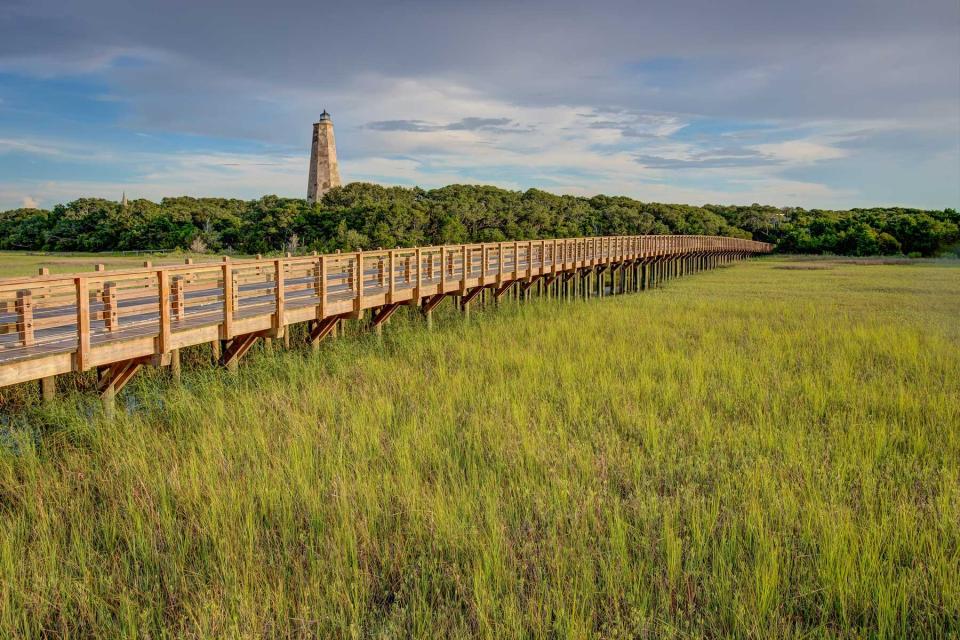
(369, 215)
(24, 228)
(888, 245)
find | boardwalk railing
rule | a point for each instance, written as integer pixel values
(117, 321)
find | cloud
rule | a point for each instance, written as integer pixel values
(633, 124)
(25, 146)
(472, 124)
(464, 124)
(781, 59)
(800, 151)
(564, 95)
(548, 147)
(401, 125)
(28, 202)
(708, 161)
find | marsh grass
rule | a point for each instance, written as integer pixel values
(747, 452)
(26, 263)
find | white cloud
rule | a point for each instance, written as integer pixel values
(573, 149)
(800, 151)
(31, 147)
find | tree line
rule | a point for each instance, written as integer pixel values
(361, 215)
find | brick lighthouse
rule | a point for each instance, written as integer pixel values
(324, 171)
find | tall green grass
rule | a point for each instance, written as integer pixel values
(750, 452)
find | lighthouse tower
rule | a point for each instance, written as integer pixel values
(324, 171)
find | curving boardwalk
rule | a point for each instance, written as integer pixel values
(118, 321)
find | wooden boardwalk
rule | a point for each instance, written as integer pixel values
(117, 321)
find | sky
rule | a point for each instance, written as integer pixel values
(821, 103)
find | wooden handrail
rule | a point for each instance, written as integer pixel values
(59, 323)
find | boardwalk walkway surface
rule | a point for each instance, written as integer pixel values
(117, 321)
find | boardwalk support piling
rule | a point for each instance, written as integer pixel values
(48, 388)
(175, 365)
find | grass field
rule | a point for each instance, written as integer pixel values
(768, 450)
(22, 263)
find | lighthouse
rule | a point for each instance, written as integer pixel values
(324, 171)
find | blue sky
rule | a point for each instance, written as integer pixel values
(816, 104)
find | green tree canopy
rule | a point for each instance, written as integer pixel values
(363, 215)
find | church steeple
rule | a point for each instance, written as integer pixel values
(123, 200)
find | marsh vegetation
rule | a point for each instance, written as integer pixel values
(749, 452)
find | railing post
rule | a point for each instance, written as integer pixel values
(108, 298)
(163, 290)
(443, 267)
(500, 263)
(516, 259)
(25, 317)
(464, 304)
(226, 329)
(419, 259)
(279, 297)
(176, 292)
(484, 263)
(529, 260)
(358, 278)
(83, 323)
(322, 287)
(48, 384)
